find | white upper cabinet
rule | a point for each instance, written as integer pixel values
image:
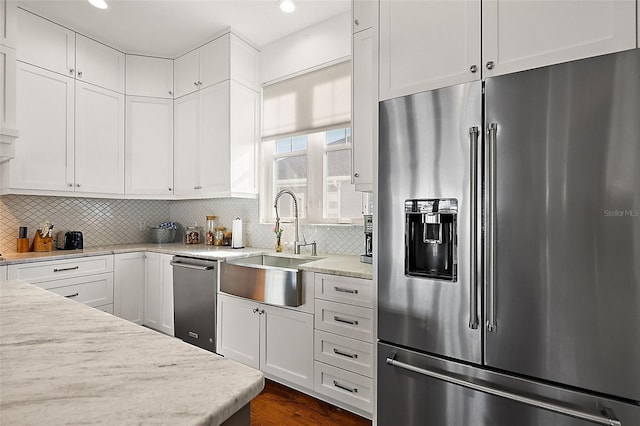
(148, 76)
(149, 146)
(226, 57)
(8, 23)
(365, 14)
(45, 116)
(431, 44)
(427, 44)
(45, 44)
(99, 143)
(364, 114)
(520, 35)
(216, 138)
(99, 64)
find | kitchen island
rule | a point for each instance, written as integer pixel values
(62, 362)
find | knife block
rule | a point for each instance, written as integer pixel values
(41, 243)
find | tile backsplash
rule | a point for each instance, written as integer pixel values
(111, 221)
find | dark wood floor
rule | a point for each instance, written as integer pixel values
(279, 405)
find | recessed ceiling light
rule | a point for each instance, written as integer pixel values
(287, 6)
(100, 4)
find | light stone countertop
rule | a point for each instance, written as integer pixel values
(62, 362)
(335, 264)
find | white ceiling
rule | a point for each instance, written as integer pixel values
(168, 28)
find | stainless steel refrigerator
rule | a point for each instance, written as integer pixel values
(509, 250)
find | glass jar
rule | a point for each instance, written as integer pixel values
(218, 236)
(211, 229)
(192, 234)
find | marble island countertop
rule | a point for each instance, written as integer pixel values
(62, 362)
(336, 264)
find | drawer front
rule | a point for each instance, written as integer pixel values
(60, 269)
(346, 320)
(343, 352)
(350, 388)
(94, 290)
(355, 291)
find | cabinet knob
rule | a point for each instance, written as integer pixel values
(356, 22)
(70, 185)
(195, 83)
(490, 65)
(170, 92)
(197, 187)
(255, 310)
(71, 71)
(356, 175)
(199, 83)
(79, 73)
(473, 68)
(77, 185)
(170, 189)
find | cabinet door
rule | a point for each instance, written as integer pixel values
(149, 146)
(3, 273)
(186, 155)
(287, 345)
(365, 14)
(238, 330)
(214, 139)
(243, 139)
(99, 64)
(45, 116)
(425, 45)
(186, 73)
(364, 117)
(147, 76)
(7, 88)
(8, 32)
(128, 286)
(214, 61)
(158, 306)
(45, 44)
(520, 35)
(99, 153)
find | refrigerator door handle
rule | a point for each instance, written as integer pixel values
(473, 282)
(490, 208)
(608, 417)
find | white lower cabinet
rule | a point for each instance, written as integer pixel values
(3, 273)
(128, 290)
(344, 335)
(158, 293)
(278, 341)
(87, 280)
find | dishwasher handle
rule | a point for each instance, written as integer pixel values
(190, 266)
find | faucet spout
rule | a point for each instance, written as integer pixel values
(296, 247)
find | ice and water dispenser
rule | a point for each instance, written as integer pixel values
(431, 238)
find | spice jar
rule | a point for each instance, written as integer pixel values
(192, 234)
(211, 229)
(218, 236)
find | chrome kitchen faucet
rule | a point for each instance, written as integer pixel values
(297, 243)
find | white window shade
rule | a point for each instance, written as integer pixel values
(316, 101)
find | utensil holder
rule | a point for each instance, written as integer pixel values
(41, 243)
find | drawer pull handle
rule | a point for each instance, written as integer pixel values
(339, 352)
(192, 334)
(346, 321)
(73, 295)
(343, 387)
(345, 290)
(66, 269)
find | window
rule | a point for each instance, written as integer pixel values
(306, 148)
(317, 168)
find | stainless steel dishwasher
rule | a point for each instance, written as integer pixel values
(194, 300)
